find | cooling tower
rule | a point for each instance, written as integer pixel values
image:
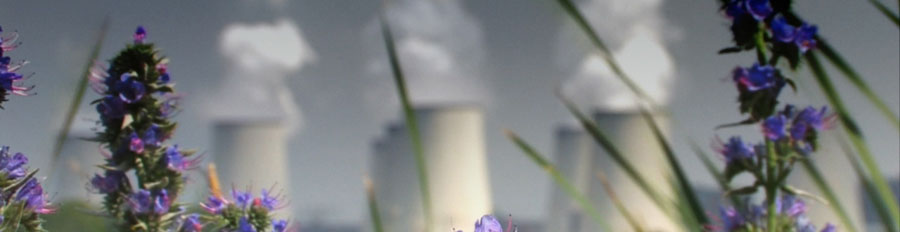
(635, 140)
(252, 154)
(77, 163)
(395, 182)
(453, 141)
(829, 156)
(574, 149)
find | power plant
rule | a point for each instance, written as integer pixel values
(251, 154)
(580, 159)
(453, 141)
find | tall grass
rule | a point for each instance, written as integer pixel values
(411, 123)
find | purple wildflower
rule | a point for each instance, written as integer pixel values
(162, 69)
(774, 127)
(130, 89)
(192, 224)
(488, 223)
(756, 77)
(241, 199)
(176, 161)
(154, 136)
(782, 31)
(731, 219)
(33, 195)
(809, 119)
(136, 145)
(791, 206)
(735, 9)
(161, 203)
(214, 205)
(109, 183)
(245, 226)
(279, 225)
(760, 9)
(829, 228)
(735, 150)
(268, 201)
(111, 108)
(139, 35)
(9, 79)
(141, 202)
(14, 166)
(805, 37)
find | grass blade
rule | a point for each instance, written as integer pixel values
(684, 184)
(832, 56)
(886, 12)
(80, 88)
(826, 189)
(870, 190)
(616, 155)
(618, 203)
(373, 205)
(559, 179)
(605, 53)
(411, 123)
(855, 136)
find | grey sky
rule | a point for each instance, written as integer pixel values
(521, 43)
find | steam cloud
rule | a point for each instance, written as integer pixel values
(261, 57)
(634, 31)
(440, 47)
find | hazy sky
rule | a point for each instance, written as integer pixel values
(519, 47)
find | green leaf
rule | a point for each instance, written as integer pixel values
(869, 189)
(411, 123)
(618, 158)
(886, 12)
(373, 206)
(855, 136)
(684, 184)
(559, 179)
(79, 91)
(832, 56)
(830, 196)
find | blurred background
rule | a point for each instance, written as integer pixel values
(299, 94)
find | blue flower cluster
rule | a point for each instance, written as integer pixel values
(791, 214)
(135, 105)
(488, 223)
(10, 81)
(774, 32)
(244, 213)
(22, 194)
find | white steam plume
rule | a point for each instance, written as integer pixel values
(440, 47)
(261, 57)
(635, 32)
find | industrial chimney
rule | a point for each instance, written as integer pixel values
(574, 151)
(453, 140)
(635, 140)
(252, 153)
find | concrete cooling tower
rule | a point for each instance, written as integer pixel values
(453, 141)
(395, 181)
(635, 140)
(252, 154)
(574, 151)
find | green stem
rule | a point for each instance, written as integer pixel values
(761, 44)
(771, 185)
(411, 124)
